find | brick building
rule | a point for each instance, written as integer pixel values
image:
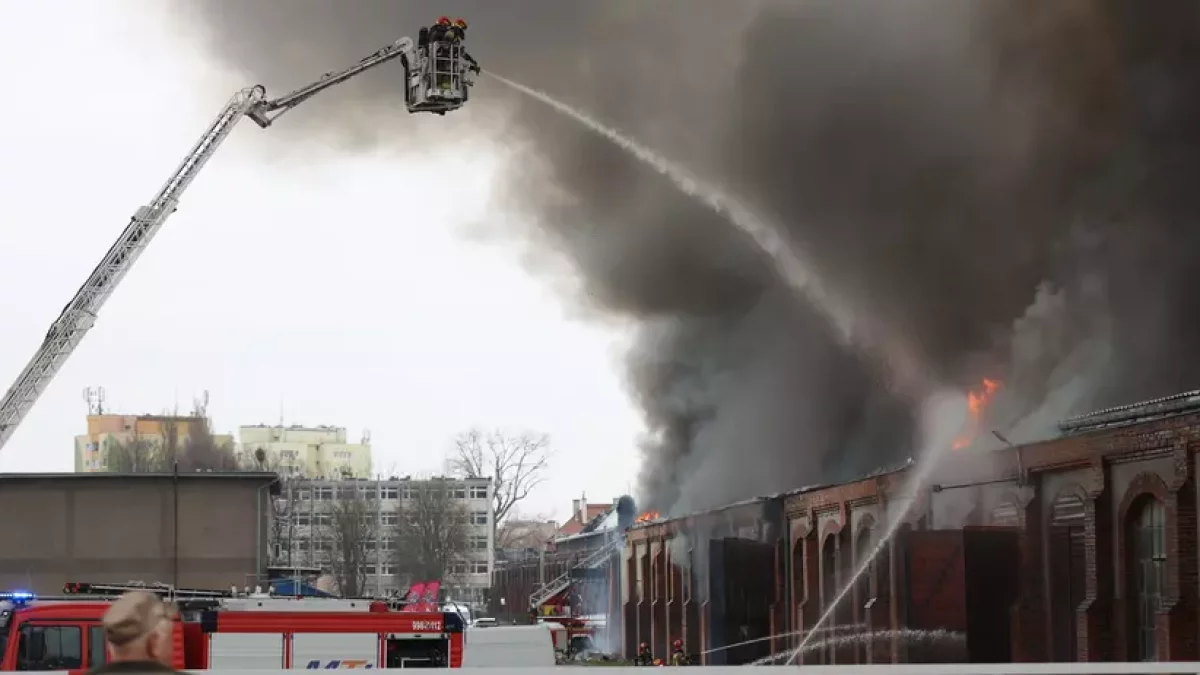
(1082, 547)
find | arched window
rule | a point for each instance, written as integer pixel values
(865, 598)
(1147, 544)
(798, 588)
(829, 584)
(1068, 574)
(862, 549)
(643, 573)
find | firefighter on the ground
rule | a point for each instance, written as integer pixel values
(678, 658)
(644, 656)
(137, 633)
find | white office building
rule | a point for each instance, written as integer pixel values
(302, 531)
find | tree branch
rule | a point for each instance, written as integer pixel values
(515, 463)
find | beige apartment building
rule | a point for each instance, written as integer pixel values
(322, 452)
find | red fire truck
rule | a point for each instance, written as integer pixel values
(220, 630)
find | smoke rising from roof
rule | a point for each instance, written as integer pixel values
(1007, 185)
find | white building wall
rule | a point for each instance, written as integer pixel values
(302, 516)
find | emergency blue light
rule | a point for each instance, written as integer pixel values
(17, 597)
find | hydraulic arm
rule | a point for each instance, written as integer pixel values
(80, 313)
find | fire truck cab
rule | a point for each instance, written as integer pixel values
(274, 633)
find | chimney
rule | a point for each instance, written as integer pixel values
(575, 509)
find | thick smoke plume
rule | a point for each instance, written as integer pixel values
(1007, 185)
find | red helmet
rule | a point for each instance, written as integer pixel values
(461, 23)
(642, 646)
(677, 644)
(443, 21)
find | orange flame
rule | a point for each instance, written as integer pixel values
(647, 517)
(977, 401)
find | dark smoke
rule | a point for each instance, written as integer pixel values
(1007, 184)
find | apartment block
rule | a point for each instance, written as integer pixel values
(322, 452)
(106, 432)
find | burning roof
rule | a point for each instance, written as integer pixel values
(648, 517)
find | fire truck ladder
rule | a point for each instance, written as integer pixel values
(78, 588)
(79, 314)
(560, 583)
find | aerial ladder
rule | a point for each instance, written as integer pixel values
(437, 78)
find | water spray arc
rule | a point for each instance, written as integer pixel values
(855, 330)
(923, 470)
(907, 635)
(977, 401)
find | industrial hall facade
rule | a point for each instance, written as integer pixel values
(1078, 548)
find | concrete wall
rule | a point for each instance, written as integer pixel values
(56, 528)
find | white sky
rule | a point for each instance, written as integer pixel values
(278, 283)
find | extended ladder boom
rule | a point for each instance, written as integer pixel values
(80, 313)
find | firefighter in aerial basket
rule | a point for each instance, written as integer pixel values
(437, 32)
(644, 656)
(458, 35)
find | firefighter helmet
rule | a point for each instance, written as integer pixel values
(678, 644)
(443, 21)
(460, 23)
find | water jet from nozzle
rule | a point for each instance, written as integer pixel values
(855, 330)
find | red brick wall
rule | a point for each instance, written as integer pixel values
(936, 576)
(1101, 631)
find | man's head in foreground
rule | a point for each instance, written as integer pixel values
(138, 628)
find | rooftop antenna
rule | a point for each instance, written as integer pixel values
(94, 396)
(281, 410)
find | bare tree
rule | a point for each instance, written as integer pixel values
(283, 525)
(171, 441)
(136, 455)
(391, 472)
(515, 463)
(352, 526)
(283, 529)
(431, 532)
(203, 452)
(521, 532)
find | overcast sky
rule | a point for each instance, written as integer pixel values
(291, 281)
